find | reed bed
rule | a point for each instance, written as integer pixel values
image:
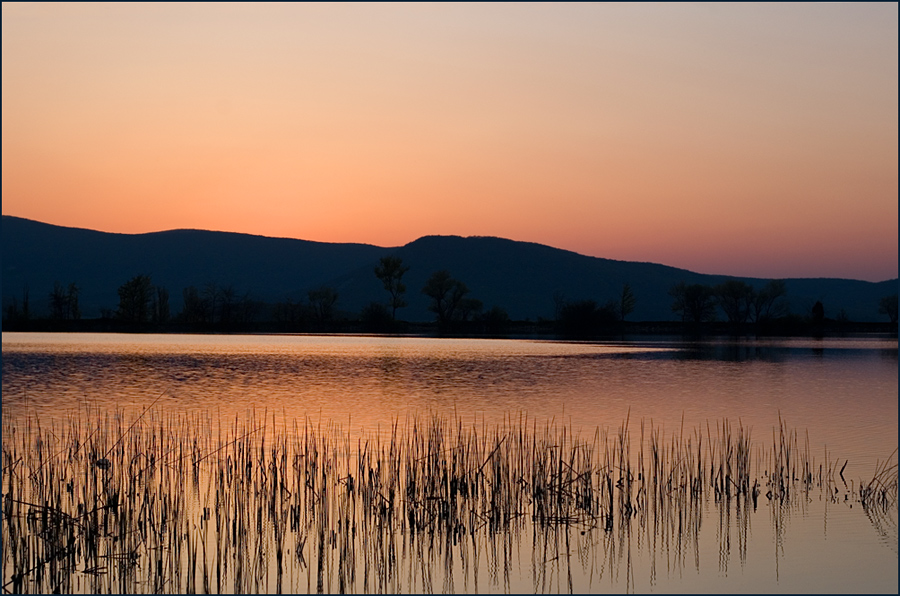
(176, 503)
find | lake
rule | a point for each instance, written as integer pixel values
(832, 401)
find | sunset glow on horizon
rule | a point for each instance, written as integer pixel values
(750, 140)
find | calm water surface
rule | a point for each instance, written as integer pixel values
(842, 392)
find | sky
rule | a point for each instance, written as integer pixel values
(741, 139)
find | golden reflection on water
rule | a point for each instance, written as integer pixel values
(186, 504)
(844, 394)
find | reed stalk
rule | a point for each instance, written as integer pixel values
(175, 503)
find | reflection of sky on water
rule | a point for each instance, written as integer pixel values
(844, 392)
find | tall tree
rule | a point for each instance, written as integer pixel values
(559, 302)
(58, 302)
(627, 302)
(74, 312)
(390, 271)
(134, 300)
(888, 306)
(769, 303)
(227, 305)
(322, 301)
(446, 294)
(211, 297)
(695, 302)
(160, 306)
(245, 309)
(195, 309)
(26, 314)
(469, 307)
(677, 292)
(736, 298)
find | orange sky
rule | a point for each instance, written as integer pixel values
(755, 140)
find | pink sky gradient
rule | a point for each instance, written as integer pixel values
(752, 140)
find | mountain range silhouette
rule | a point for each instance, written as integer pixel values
(521, 277)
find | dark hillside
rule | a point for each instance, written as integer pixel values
(521, 277)
(269, 268)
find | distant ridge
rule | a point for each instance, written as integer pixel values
(521, 277)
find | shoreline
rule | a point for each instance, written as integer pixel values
(512, 330)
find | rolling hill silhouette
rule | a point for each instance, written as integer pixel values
(521, 277)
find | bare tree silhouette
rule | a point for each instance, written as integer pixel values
(888, 306)
(160, 306)
(736, 299)
(769, 303)
(322, 301)
(695, 302)
(390, 271)
(627, 302)
(134, 300)
(446, 294)
(64, 303)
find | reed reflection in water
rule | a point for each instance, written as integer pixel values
(846, 397)
(146, 501)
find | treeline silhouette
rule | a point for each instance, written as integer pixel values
(732, 307)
